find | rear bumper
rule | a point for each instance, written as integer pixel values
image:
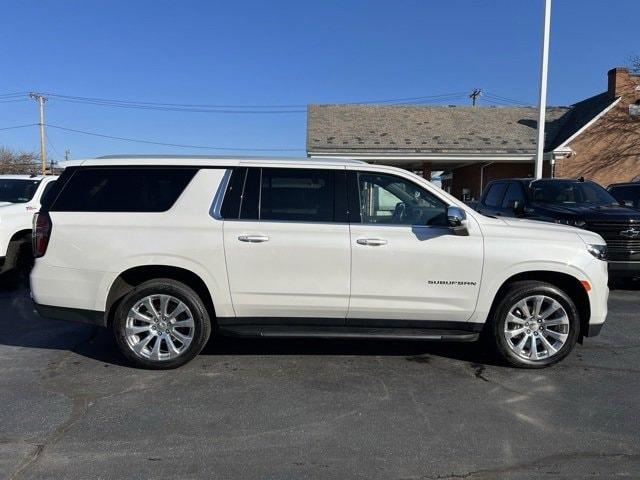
(624, 269)
(91, 317)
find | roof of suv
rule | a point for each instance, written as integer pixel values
(206, 161)
(23, 177)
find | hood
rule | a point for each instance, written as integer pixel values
(591, 212)
(555, 230)
(540, 226)
(4, 204)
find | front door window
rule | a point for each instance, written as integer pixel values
(391, 200)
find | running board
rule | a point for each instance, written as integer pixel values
(277, 331)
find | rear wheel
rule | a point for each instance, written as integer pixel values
(535, 325)
(161, 324)
(17, 265)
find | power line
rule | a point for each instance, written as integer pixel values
(52, 145)
(179, 145)
(19, 126)
(177, 109)
(14, 94)
(506, 99)
(210, 106)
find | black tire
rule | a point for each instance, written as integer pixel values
(516, 292)
(17, 265)
(178, 290)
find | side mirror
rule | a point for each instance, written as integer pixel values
(457, 219)
(517, 207)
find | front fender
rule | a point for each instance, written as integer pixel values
(492, 283)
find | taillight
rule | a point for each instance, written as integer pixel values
(41, 233)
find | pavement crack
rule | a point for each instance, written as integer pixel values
(479, 371)
(80, 406)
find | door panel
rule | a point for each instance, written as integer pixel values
(406, 278)
(288, 269)
(288, 253)
(406, 264)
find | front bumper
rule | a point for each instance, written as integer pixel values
(619, 269)
(91, 317)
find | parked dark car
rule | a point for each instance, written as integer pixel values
(575, 202)
(626, 193)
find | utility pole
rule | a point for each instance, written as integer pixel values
(66, 154)
(477, 92)
(542, 103)
(43, 154)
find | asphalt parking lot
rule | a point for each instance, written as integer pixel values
(293, 409)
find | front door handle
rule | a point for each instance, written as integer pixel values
(253, 238)
(372, 242)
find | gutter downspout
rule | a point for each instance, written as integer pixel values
(482, 177)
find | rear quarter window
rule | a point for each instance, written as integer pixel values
(121, 189)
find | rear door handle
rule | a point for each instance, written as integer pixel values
(253, 238)
(372, 242)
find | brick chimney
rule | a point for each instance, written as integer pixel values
(623, 83)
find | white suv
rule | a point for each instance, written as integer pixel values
(164, 250)
(19, 199)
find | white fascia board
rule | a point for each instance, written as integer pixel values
(563, 147)
(441, 157)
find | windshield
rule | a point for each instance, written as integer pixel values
(570, 193)
(17, 190)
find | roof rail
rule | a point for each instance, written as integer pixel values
(322, 159)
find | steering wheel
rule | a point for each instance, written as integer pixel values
(399, 212)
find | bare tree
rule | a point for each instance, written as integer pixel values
(634, 63)
(18, 162)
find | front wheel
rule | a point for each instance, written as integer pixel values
(161, 324)
(535, 325)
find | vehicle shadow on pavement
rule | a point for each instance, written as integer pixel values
(21, 326)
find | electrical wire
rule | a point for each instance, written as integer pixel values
(180, 145)
(506, 99)
(53, 147)
(105, 101)
(19, 126)
(14, 94)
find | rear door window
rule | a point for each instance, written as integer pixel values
(125, 189)
(301, 195)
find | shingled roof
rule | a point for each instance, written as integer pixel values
(437, 129)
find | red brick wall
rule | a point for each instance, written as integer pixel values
(469, 176)
(609, 150)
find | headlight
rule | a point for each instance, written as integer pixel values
(572, 222)
(598, 251)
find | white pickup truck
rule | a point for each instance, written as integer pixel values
(19, 199)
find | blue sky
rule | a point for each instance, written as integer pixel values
(283, 53)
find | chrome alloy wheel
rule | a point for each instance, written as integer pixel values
(537, 327)
(159, 327)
